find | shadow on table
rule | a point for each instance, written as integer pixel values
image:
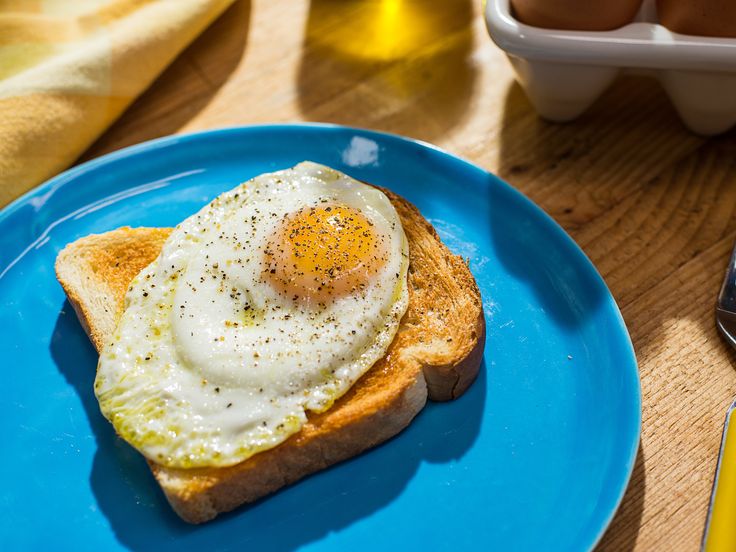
(396, 65)
(624, 140)
(185, 87)
(324, 503)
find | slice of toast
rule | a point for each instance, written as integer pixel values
(436, 353)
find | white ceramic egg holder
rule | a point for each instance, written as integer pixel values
(564, 72)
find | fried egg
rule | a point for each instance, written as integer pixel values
(269, 302)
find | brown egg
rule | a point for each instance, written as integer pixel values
(580, 15)
(699, 17)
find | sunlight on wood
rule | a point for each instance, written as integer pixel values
(380, 30)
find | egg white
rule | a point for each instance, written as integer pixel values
(211, 364)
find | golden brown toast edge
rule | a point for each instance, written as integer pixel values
(437, 353)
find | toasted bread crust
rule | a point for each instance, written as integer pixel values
(95, 272)
(436, 353)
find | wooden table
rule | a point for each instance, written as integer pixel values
(652, 205)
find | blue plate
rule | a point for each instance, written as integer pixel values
(535, 456)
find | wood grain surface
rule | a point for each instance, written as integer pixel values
(651, 204)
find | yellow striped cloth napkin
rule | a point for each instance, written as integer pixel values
(68, 69)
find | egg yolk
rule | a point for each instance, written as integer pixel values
(322, 252)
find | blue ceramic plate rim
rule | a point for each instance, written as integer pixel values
(56, 184)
